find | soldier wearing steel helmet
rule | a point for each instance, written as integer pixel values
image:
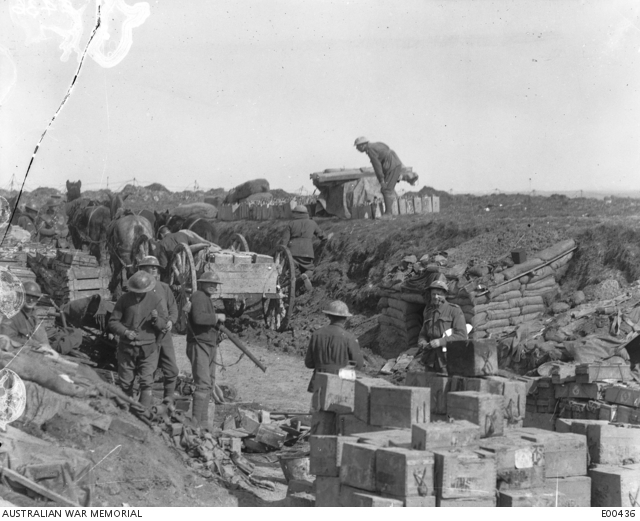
(333, 347)
(138, 318)
(202, 344)
(298, 237)
(439, 316)
(24, 328)
(387, 167)
(51, 226)
(167, 356)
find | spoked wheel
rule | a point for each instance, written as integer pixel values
(183, 282)
(139, 251)
(278, 311)
(239, 243)
(234, 308)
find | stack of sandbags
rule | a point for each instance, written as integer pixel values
(400, 321)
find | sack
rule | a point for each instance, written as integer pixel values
(64, 340)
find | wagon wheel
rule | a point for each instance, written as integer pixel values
(239, 243)
(234, 308)
(183, 282)
(278, 311)
(139, 250)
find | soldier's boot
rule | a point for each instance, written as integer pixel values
(307, 282)
(200, 409)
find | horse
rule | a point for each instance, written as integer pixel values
(87, 221)
(122, 235)
(202, 227)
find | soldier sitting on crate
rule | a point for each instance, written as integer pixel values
(202, 344)
(24, 328)
(137, 319)
(167, 362)
(333, 347)
(439, 316)
(298, 237)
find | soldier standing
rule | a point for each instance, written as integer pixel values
(137, 319)
(167, 357)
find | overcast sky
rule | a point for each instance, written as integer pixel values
(474, 95)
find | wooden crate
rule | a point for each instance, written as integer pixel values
(326, 454)
(464, 472)
(583, 391)
(472, 502)
(565, 454)
(387, 438)
(537, 497)
(484, 409)
(404, 472)
(324, 423)
(599, 371)
(248, 278)
(349, 425)
(615, 486)
(472, 357)
(399, 406)
(626, 414)
(622, 395)
(457, 433)
(440, 386)
(362, 391)
(353, 497)
(332, 393)
(519, 464)
(327, 491)
(613, 444)
(358, 468)
(573, 492)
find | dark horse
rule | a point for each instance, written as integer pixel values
(175, 223)
(88, 221)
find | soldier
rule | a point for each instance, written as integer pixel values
(23, 328)
(27, 219)
(167, 362)
(202, 344)
(137, 319)
(333, 347)
(439, 316)
(298, 237)
(387, 167)
(51, 228)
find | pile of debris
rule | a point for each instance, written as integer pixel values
(487, 453)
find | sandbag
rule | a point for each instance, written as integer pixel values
(505, 288)
(468, 308)
(507, 296)
(562, 261)
(499, 314)
(240, 192)
(216, 201)
(413, 298)
(262, 196)
(383, 303)
(525, 301)
(195, 210)
(478, 318)
(544, 283)
(65, 340)
(540, 292)
(406, 307)
(399, 315)
(524, 318)
(542, 273)
(498, 278)
(468, 317)
(493, 324)
(493, 305)
(555, 250)
(518, 269)
(535, 308)
(393, 322)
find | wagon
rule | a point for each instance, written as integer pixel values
(245, 275)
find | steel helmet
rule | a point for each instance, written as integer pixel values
(31, 288)
(209, 276)
(440, 282)
(360, 141)
(28, 208)
(141, 282)
(149, 260)
(301, 209)
(50, 203)
(338, 309)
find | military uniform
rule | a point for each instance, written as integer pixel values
(298, 237)
(23, 327)
(139, 355)
(387, 167)
(26, 223)
(167, 360)
(331, 348)
(202, 341)
(436, 320)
